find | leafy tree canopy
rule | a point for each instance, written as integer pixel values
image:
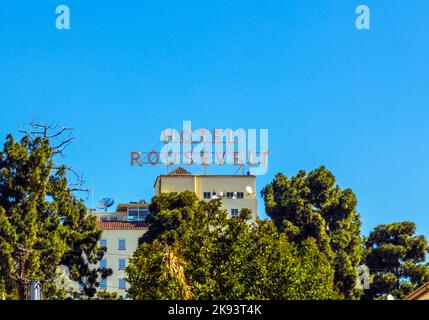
(396, 257)
(42, 224)
(194, 251)
(313, 206)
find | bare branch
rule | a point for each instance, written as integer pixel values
(74, 172)
(79, 189)
(50, 132)
(27, 134)
(64, 129)
(40, 126)
(63, 144)
(59, 138)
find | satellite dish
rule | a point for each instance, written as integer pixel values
(214, 197)
(105, 203)
(221, 194)
(249, 190)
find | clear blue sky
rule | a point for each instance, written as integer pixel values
(355, 101)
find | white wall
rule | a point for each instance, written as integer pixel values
(113, 254)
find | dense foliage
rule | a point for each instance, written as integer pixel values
(312, 206)
(42, 224)
(396, 259)
(194, 251)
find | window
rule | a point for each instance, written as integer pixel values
(137, 214)
(122, 284)
(229, 195)
(122, 263)
(240, 195)
(103, 284)
(103, 264)
(133, 214)
(103, 243)
(234, 213)
(121, 244)
(206, 195)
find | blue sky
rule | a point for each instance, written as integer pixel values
(355, 101)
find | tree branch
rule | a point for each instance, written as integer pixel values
(59, 138)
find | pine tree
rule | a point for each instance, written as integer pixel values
(396, 257)
(312, 206)
(42, 223)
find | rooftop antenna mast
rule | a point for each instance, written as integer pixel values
(92, 193)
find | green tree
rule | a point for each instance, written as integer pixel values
(106, 295)
(192, 250)
(42, 224)
(396, 257)
(313, 206)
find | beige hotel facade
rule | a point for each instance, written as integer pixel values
(123, 227)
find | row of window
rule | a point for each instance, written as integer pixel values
(122, 284)
(122, 263)
(229, 195)
(121, 244)
(138, 214)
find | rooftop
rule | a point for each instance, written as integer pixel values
(124, 206)
(121, 225)
(419, 293)
(180, 172)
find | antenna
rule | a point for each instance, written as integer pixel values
(105, 203)
(92, 193)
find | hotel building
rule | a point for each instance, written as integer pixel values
(121, 231)
(237, 191)
(122, 228)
